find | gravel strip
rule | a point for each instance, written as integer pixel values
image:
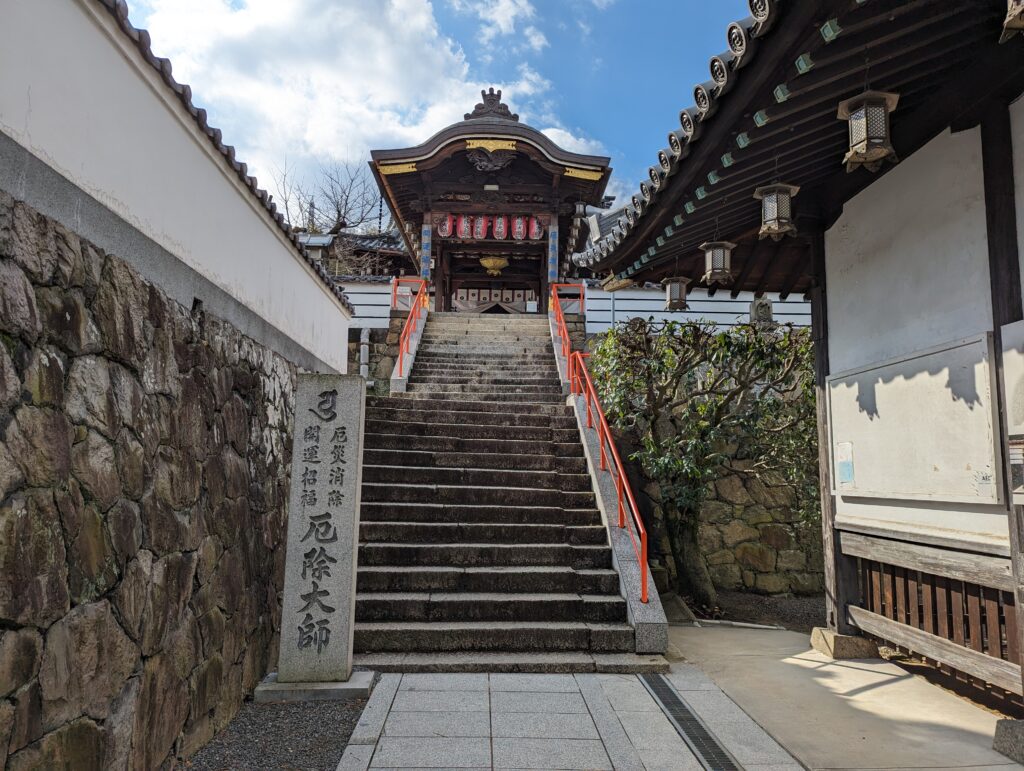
(303, 735)
(798, 614)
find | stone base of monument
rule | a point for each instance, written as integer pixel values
(358, 686)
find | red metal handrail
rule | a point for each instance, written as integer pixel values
(556, 308)
(419, 305)
(416, 283)
(581, 384)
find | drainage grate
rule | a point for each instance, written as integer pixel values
(712, 755)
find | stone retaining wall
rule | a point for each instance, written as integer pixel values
(753, 539)
(144, 451)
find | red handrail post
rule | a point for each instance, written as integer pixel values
(618, 495)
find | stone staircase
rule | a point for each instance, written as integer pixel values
(479, 528)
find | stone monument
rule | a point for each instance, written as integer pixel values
(318, 613)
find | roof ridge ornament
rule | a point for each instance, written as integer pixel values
(492, 106)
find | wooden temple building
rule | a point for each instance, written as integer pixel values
(492, 207)
(870, 154)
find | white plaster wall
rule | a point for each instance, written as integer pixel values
(907, 268)
(719, 308)
(1017, 130)
(907, 263)
(76, 93)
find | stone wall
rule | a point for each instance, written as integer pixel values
(750, 534)
(383, 351)
(753, 539)
(144, 451)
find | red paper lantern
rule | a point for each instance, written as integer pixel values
(446, 226)
(519, 227)
(463, 226)
(499, 228)
(536, 229)
(480, 228)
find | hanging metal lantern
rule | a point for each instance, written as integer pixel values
(718, 262)
(1014, 19)
(776, 210)
(675, 292)
(870, 132)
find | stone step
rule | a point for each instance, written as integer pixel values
(490, 320)
(521, 662)
(483, 378)
(396, 441)
(480, 532)
(387, 511)
(532, 579)
(482, 350)
(470, 431)
(539, 334)
(540, 363)
(484, 359)
(465, 417)
(408, 404)
(473, 495)
(478, 477)
(485, 554)
(524, 372)
(488, 460)
(488, 606)
(492, 636)
(484, 390)
(527, 329)
(508, 398)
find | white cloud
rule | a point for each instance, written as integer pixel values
(498, 17)
(327, 80)
(535, 38)
(571, 142)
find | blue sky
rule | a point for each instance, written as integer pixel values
(304, 82)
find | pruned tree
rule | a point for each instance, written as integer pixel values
(689, 390)
(336, 195)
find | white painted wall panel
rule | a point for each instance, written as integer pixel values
(372, 302)
(719, 308)
(76, 93)
(907, 262)
(907, 271)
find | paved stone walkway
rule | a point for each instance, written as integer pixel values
(545, 721)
